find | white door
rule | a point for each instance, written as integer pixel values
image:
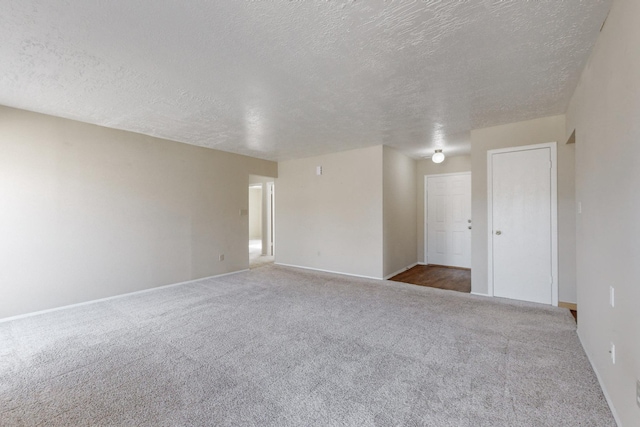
(522, 224)
(448, 220)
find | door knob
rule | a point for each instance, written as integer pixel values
(498, 232)
(469, 227)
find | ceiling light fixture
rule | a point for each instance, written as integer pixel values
(438, 157)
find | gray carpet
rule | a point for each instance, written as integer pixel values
(256, 259)
(284, 347)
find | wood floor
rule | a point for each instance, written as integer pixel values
(436, 276)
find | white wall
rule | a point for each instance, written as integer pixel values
(605, 113)
(89, 212)
(333, 221)
(399, 211)
(536, 131)
(427, 167)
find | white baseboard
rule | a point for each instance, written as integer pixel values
(421, 263)
(79, 304)
(480, 294)
(400, 271)
(328, 271)
(604, 390)
(347, 274)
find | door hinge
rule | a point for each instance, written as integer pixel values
(552, 280)
(550, 167)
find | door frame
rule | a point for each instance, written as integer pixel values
(554, 213)
(271, 210)
(426, 207)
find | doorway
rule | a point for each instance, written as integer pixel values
(447, 234)
(523, 231)
(448, 220)
(261, 221)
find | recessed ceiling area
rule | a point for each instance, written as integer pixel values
(280, 80)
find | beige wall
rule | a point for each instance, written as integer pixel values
(89, 212)
(427, 167)
(255, 212)
(399, 211)
(357, 218)
(537, 131)
(334, 221)
(605, 113)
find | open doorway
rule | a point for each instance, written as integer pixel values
(261, 221)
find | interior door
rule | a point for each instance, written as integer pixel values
(521, 228)
(448, 220)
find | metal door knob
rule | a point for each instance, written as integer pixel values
(498, 232)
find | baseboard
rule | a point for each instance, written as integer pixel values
(568, 305)
(421, 263)
(402, 270)
(327, 271)
(79, 304)
(479, 294)
(604, 390)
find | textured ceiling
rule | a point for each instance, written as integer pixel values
(288, 79)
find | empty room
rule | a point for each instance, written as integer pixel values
(319, 213)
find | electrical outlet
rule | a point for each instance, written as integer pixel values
(612, 296)
(613, 353)
(638, 392)
(221, 257)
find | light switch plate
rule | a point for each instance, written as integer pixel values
(612, 351)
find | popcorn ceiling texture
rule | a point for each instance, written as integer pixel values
(288, 79)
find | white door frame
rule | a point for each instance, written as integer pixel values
(271, 209)
(426, 206)
(554, 213)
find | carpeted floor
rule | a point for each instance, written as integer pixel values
(278, 346)
(256, 259)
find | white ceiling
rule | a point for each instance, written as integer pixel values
(289, 79)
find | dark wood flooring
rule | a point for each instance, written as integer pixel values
(436, 276)
(574, 313)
